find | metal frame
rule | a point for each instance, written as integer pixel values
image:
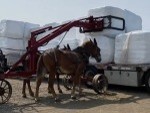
(90, 24)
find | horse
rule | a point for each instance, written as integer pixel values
(78, 50)
(68, 62)
(26, 81)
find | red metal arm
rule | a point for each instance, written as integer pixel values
(86, 24)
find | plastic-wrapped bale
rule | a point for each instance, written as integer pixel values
(12, 48)
(70, 38)
(52, 43)
(12, 43)
(132, 48)
(11, 28)
(29, 27)
(108, 10)
(12, 55)
(132, 21)
(107, 46)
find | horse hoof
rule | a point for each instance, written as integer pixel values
(60, 91)
(32, 94)
(57, 100)
(24, 96)
(36, 99)
(73, 97)
(49, 92)
(82, 95)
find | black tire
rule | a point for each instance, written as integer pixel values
(100, 83)
(5, 91)
(90, 72)
(147, 81)
(67, 83)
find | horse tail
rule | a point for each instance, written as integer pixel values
(40, 66)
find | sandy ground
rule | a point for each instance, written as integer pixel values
(121, 100)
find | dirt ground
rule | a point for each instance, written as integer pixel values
(121, 100)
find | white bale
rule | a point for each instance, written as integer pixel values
(29, 27)
(52, 43)
(106, 44)
(11, 28)
(132, 21)
(73, 43)
(132, 48)
(108, 10)
(12, 55)
(13, 48)
(12, 43)
(70, 38)
(80, 36)
(53, 24)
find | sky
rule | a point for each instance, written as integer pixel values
(48, 11)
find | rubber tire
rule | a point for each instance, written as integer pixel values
(100, 89)
(9, 92)
(67, 82)
(90, 71)
(147, 82)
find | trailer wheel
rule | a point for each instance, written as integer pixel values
(100, 83)
(90, 72)
(67, 82)
(147, 82)
(5, 91)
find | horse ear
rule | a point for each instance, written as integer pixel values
(64, 47)
(95, 41)
(68, 47)
(91, 40)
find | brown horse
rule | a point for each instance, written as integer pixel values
(26, 81)
(68, 62)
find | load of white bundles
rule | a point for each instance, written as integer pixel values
(69, 38)
(12, 55)
(108, 10)
(132, 48)
(132, 21)
(52, 43)
(11, 28)
(106, 44)
(29, 27)
(12, 48)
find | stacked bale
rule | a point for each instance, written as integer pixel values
(51, 44)
(108, 10)
(132, 48)
(14, 36)
(106, 38)
(69, 37)
(106, 45)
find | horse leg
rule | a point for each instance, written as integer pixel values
(51, 85)
(49, 89)
(24, 89)
(58, 81)
(77, 80)
(73, 89)
(29, 87)
(38, 83)
(58, 85)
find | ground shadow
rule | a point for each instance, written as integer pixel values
(89, 101)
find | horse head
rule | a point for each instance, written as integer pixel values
(93, 49)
